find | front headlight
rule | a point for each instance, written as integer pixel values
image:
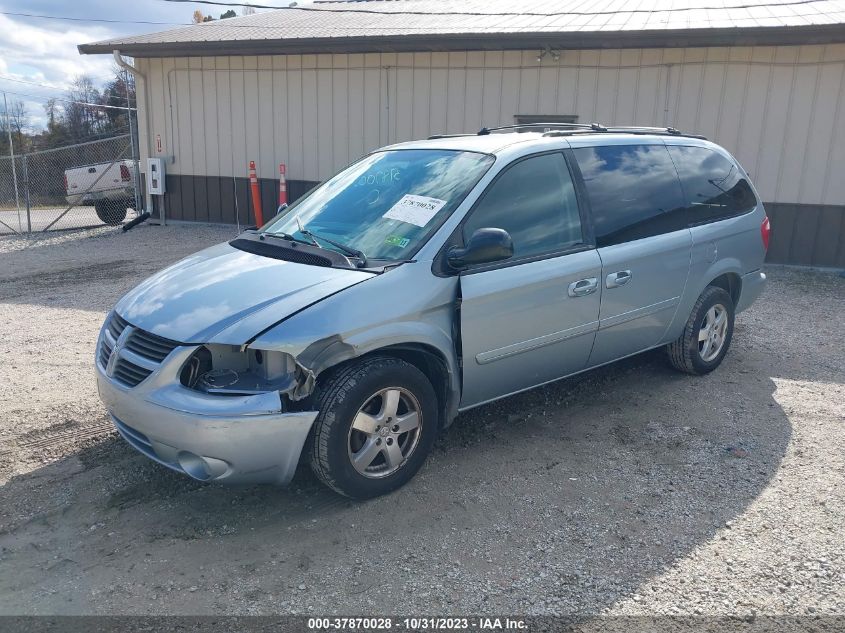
(227, 370)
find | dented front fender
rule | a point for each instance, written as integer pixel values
(404, 307)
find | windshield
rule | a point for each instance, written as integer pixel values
(387, 204)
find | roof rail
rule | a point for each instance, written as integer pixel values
(518, 126)
(566, 129)
(657, 131)
(436, 136)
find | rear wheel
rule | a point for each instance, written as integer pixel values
(111, 212)
(707, 334)
(377, 423)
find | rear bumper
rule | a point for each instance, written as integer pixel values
(753, 285)
(232, 440)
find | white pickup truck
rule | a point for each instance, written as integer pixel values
(108, 187)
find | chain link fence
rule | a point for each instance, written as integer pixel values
(78, 186)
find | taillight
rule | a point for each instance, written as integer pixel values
(766, 232)
(124, 173)
(65, 177)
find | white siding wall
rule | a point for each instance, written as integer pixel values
(780, 110)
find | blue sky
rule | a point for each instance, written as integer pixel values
(44, 51)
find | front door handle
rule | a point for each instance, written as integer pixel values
(614, 280)
(583, 287)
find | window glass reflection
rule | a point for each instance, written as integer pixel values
(633, 191)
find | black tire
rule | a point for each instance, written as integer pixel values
(111, 212)
(685, 353)
(339, 398)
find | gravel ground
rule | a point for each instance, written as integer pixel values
(628, 490)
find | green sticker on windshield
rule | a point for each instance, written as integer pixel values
(395, 240)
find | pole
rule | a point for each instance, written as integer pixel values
(136, 162)
(12, 156)
(137, 74)
(26, 193)
(237, 208)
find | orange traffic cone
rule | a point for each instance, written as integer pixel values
(256, 194)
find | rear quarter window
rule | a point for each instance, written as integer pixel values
(714, 187)
(633, 192)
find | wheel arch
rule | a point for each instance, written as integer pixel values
(431, 362)
(730, 282)
(724, 273)
(433, 355)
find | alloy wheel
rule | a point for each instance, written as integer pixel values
(385, 432)
(713, 333)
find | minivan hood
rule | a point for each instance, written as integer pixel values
(224, 295)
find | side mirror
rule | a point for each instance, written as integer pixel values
(484, 247)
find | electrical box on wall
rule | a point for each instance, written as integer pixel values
(155, 176)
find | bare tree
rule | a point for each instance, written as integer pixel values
(117, 93)
(56, 132)
(18, 117)
(52, 110)
(81, 118)
(248, 10)
(15, 119)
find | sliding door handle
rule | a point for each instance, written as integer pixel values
(614, 280)
(583, 287)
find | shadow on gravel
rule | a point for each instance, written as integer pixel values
(563, 499)
(90, 269)
(39, 287)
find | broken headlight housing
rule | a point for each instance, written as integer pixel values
(232, 371)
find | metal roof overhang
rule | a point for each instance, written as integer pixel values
(757, 36)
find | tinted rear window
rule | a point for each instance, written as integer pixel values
(633, 191)
(714, 187)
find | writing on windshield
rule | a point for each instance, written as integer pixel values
(387, 204)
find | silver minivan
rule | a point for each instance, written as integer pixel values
(423, 280)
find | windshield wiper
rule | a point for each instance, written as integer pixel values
(281, 236)
(354, 252)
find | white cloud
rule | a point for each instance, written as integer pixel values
(44, 50)
(47, 54)
(52, 53)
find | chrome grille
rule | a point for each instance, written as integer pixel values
(104, 352)
(130, 374)
(116, 325)
(150, 346)
(141, 354)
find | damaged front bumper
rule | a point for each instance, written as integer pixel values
(227, 439)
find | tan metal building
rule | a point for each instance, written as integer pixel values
(318, 85)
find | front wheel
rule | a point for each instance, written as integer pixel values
(111, 212)
(707, 334)
(377, 423)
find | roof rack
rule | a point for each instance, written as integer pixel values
(436, 136)
(657, 131)
(595, 127)
(566, 129)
